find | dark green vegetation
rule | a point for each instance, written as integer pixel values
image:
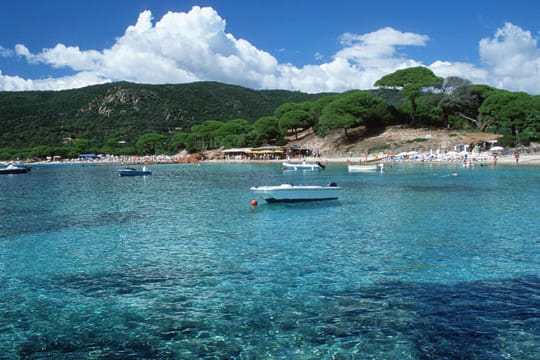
(125, 118)
(112, 118)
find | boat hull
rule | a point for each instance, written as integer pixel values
(291, 193)
(14, 170)
(286, 166)
(364, 168)
(127, 172)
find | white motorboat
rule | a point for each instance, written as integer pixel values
(297, 193)
(134, 172)
(364, 168)
(15, 169)
(303, 166)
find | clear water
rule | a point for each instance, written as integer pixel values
(413, 263)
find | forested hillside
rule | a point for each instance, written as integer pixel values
(124, 111)
(125, 118)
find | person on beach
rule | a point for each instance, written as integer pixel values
(516, 155)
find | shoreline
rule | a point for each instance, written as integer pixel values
(524, 159)
(503, 160)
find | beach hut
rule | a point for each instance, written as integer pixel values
(235, 153)
(267, 153)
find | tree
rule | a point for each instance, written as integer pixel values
(150, 143)
(451, 97)
(290, 106)
(532, 126)
(506, 109)
(411, 82)
(468, 100)
(294, 120)
(316, 108)
(204, 134)
(180, 140)
(351, 109)
(233, 133)
(111, 146)
(428, 111)
(266, 129)
(41, 151)
(81, 146)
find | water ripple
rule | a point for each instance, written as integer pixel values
(408, 264)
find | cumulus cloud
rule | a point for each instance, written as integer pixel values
(81, 79)
(379, 44)
(374, 54)
(464, 70)
(14, 83)
(194, 46)
(512, 59)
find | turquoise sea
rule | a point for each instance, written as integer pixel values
(413, 263)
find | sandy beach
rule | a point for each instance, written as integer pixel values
(524, 159)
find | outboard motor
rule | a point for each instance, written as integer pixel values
(333, 184)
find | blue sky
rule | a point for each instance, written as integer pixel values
(310, 46)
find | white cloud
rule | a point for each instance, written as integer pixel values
(378, 44)
(14, 83)
(194, 46)
(464, 70)
(374, 54)
(5, 52)
(81, 79)
(23, 51)
(512, 59)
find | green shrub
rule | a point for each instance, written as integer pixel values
(507, 140)
(524, 139)
(417, 140)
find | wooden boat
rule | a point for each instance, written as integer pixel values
(297, 193)
(134, 172)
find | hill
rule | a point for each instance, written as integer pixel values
(125, 111)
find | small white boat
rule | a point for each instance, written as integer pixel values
(297, 193)
(303, 166)
(134, 172)
(365, 168)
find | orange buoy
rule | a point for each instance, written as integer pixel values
(253, 202)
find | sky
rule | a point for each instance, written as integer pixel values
(301, 45)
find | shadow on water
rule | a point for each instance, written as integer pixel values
(301, 205)
(54, 224)
(134, 281)
(442, 188)
(476, 320)
(463, 321)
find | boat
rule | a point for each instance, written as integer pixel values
(303, 166)
(297, 193)
(15, 169)
(365, 168)
(134, 172)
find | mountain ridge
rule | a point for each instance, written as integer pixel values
(127, 110)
